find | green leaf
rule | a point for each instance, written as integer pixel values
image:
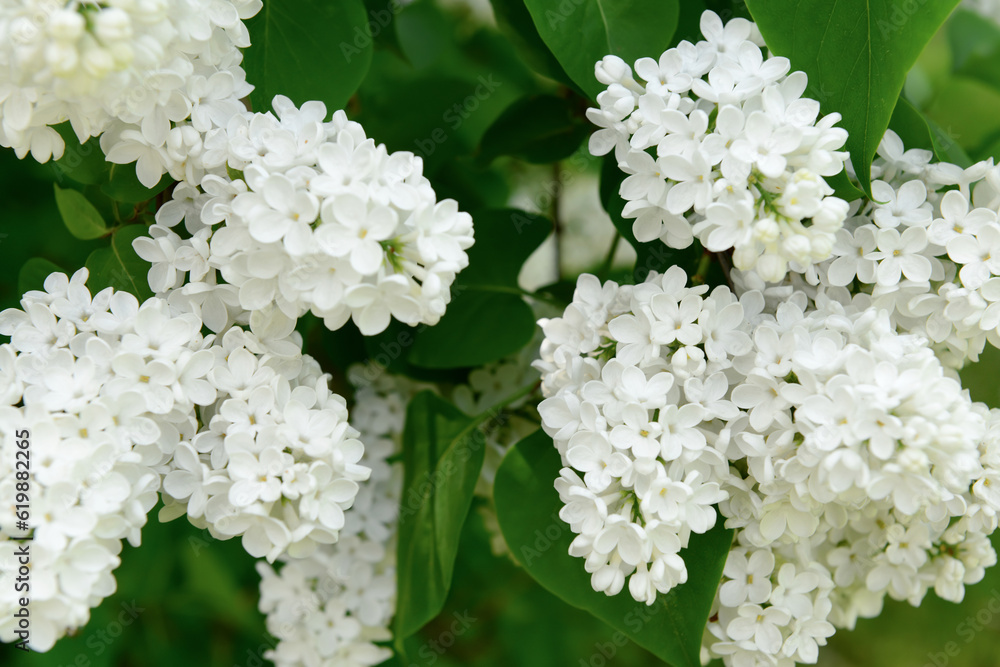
(966, 109)
(856, 55)
(487, 318)
(528, 511)
(424, 33)
(537, 129)
(476, 189)
(382, 14)
(972, 37)
(34, 272)
(82, 163)
(910, 125)
(917, 131)
(505, 238)
(946, 148)
(843, 186)
(308, 50)
(118, 265)
(443, 452)
(446, 113)
(208, 570)
(124, 186)
(581, 32)
(479, 327)
(689, 22)
(81, 218)
(515, 23)
(991, 150)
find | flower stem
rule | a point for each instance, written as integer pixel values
(605, 269)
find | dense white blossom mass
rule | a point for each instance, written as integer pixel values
(849, 459)
(311, 216)
(332, 606)
(925, 251)
(123, 400)
(812, 405)
(157, 77)
(719, 144)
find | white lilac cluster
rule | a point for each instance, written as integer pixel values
(850, 462)
(331, 607)
(275, 460)
(720, 144)
(113, 394)
(106, 389)
(334, 606)
(157, 77)
(927, 250)
(312, 216)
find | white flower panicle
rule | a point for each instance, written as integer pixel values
(719, 144)
(106, 389)
(329, 609)
(156, 76)
(927, 250)
(113, 394)
(314, 217)
(642, 469)
(275, 461)
(850, 462)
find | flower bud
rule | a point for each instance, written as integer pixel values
(66, 25)
(612, 69)
(771, 267)
(98, 62)
(112, 25)
(62, 58)
(797, 247)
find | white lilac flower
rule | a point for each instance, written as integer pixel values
(922, 250)
(849, 460)
(276, 461)
(332, 606)
(312, 216)
(719, 145)
(156, 79)
(113, 393)
(98, 448)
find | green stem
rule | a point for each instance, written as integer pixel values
(605, 270)
(537, 296)
(768, 198)
(554, 211)
(726, 263)
(703, 264)
(493, 410)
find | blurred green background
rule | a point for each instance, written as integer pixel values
(186, 599)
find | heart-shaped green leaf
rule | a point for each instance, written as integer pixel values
(487, 318)
(443, 452)
(81, 218)
(581, 32)
(856, 54)
(308, 50)
(528, 510)
(119, 266)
